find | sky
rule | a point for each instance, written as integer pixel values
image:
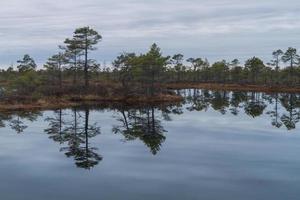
(214, 29)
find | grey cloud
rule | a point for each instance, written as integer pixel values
(215, 29)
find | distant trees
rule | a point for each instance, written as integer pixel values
(145, 69)
(254, 71)
(26, 64)
(153, 65)
(236, 71)
(70, 60)
(197, 65)
(73, 53)
(220, 70)
(54, 65)
(177, 60)
(254, 66)
(123, 64)
(275, 62)
(292, 58)
(28, 80)
(86, 39)
(71, 71)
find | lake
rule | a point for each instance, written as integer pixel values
(214, 145)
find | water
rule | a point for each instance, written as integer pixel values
(215, 145)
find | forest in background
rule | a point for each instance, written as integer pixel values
(73, 73)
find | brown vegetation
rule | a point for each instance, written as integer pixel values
(76, 100)
(71, 101)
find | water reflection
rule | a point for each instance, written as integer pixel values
(283, 109)
(17, 120)
(75, 133)
(143, 125)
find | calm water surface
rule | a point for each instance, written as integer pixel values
(215, 145)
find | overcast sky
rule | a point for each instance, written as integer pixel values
(215, 29)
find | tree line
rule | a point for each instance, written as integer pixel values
(72, 71)
(283, 69)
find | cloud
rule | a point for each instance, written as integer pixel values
(215, 29)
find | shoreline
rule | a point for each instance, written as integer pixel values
(234, 87)
(72, 101)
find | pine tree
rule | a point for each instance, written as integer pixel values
(87, 38)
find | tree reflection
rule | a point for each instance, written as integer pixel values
(75, 134)
(141, 124)
(220, 101)
(290, 103)
(199, 100)
(78, 136)
(73, 130)
(255, 106)
(3, 118)
(274, 114)
(236, 100)
(17, 124)
(56, 124)
(17, 120)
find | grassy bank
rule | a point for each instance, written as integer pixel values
(71, 101)
(77, 100)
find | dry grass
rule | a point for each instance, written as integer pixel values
(76, 100)
(71, 101)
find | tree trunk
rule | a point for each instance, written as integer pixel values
(153, 120)
(60, 77)
(86, 76)
(75, 70)
(87, 112)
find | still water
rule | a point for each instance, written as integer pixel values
(214, 145)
